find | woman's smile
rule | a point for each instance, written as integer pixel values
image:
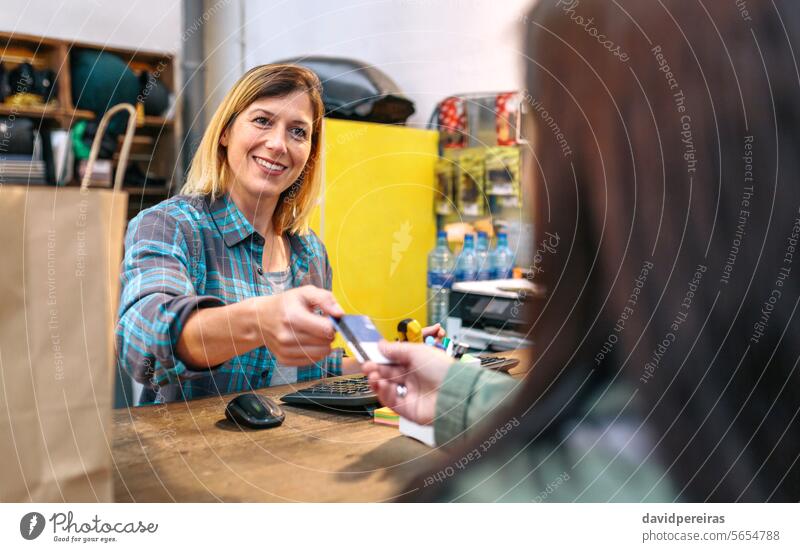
(270, 167)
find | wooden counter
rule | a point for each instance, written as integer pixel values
(189, 452)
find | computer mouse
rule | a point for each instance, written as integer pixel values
(256, 411)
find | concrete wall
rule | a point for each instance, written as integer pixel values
(146, 24)
(430, 48)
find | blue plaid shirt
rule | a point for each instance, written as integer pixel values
(188, 253)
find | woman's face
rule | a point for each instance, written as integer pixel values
(268, 144)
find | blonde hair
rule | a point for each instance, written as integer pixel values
(209, 172)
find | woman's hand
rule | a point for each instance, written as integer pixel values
(420, 368)
(290, 327)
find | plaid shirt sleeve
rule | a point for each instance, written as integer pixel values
(158, 296)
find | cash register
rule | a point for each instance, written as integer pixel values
(490, 315)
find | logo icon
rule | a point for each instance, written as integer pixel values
(402, 239)
(31, 525)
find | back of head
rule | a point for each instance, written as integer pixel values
(683, 123)
(666, 139)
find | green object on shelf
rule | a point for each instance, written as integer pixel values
(101, 80)
(79, 148)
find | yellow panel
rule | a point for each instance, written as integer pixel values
(378, 219)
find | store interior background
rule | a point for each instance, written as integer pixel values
(431, 49)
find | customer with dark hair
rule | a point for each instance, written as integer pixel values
(666, 358)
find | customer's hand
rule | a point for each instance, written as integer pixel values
(291, 328)
(420, 368)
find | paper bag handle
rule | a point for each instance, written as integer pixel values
(126, 145)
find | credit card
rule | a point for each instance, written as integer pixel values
(362, 337)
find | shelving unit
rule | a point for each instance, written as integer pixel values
(156, 146)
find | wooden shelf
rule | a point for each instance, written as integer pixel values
(135, 157)
(135, 191)
(32, 41)
(150, 121)
(146, 191)
(17, 182)
(157, 138)
(138, 140)
(45, 112)
(78, 114)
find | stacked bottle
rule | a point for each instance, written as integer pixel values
(467, 263)
(484, 269)
(440, 280)
(502, 259)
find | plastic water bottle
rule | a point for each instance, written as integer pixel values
(502, 259)
(467, 262)
(440, 280)
(484, 271)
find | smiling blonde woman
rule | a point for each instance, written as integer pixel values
(223, 285)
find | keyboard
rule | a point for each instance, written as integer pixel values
(355, 391)
(498, 363)
(349, 391)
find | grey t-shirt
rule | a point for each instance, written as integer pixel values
(280, 282)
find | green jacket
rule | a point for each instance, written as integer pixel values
(602, 455)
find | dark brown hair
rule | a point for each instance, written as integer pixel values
(682, 121)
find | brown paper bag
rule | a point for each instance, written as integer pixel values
(59, 276)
